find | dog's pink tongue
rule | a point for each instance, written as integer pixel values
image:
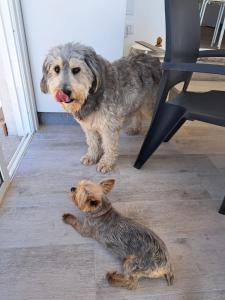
(61, 97)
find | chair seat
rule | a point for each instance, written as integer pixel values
(207, 107)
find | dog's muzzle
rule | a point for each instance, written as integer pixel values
(64, 96)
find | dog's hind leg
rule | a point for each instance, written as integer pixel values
(131, 264)
(94, 147)
(134, 124)
(146, 111)
(169, 276)
(129, 279)
(120, 280)
(134, 266)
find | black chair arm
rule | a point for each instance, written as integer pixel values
(193, 67)
(212, 53)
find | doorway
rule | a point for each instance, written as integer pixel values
(18, 120)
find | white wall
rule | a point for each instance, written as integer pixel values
(98, 23)
(148, 22)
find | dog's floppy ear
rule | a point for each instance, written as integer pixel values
(92, 63)
(43, 84)
(107, 185)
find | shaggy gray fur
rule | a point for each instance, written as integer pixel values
(121, 93)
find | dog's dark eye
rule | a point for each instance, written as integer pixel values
(75, 70)
(57, 69)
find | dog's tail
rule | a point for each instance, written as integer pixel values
(169, 276)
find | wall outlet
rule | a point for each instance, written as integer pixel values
(129, 30)
(130, 8)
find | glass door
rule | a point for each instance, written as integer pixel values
(18, 118)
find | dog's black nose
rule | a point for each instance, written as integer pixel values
(73, 189)
(66, 91)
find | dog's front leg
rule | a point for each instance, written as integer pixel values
(94, 147)
(110, 140)
(76, 224)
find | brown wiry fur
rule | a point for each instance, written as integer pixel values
(142, 252)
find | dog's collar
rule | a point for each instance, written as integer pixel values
(101, 212)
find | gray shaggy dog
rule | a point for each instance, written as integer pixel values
(103, 97)
(142, 252)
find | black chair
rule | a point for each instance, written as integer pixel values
(182, 52)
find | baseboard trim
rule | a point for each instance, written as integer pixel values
(52, 118)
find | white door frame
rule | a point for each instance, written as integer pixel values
(18, 65)
(5, 176)
(19, 80)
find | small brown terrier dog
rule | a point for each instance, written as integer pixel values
(142, 252)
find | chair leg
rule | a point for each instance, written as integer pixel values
(219, 19)
(221, 35)
(186, 84)
(222, 208)
(166, 119)
(203, 9)
(174, 131)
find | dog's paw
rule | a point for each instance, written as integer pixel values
(120, 280)
(110, 277)
(104, 167)
(69, 219)
(87, 160)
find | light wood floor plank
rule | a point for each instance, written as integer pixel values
(177, 194)
(52, 272)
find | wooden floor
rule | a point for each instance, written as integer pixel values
(177, 194)
(207, 35)
(9, 145)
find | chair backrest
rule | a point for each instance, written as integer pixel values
(182, 35)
